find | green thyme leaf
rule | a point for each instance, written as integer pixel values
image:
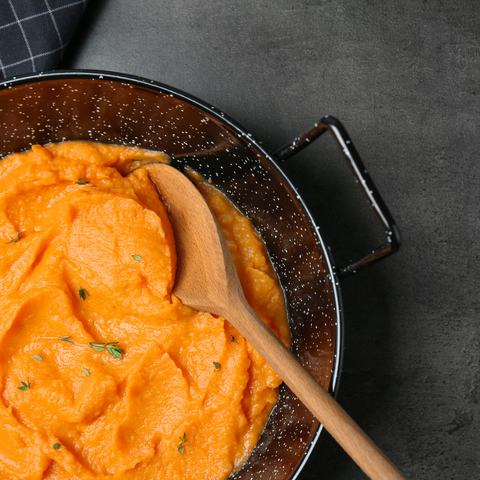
(38, 357)
(180, 447)
(82, 292)
(25, 386)
(96, 348)
(217, 366)
(14, 240)
(86, 372)
(138, 258)
(66, 339)
(115, 351)
(111, 347)
(56, 446)
(81, 181)
(233, 339)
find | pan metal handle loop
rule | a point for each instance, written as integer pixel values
(390, 229)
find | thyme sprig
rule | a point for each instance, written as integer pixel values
(14, 240)
(65, 339)
(25, 386)
(111, 347)
(81, 181)
(180, 447)
(82, 293)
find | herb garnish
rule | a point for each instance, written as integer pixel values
(56, 446)
(111, 347)
(181, 448)
(82, 292)
(38, 357)
(25, 386)
(138, 258)
(233, 339)
(14, 240)
(86, 372)
(81, 181)
(217, 366)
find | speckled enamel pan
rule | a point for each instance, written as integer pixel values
(115, 108)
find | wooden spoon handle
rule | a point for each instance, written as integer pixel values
(206, 280)
(336, 421)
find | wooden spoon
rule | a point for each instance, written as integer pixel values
(206, 280)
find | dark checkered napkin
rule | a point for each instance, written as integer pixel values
(34, 33)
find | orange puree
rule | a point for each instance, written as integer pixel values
(87, 255)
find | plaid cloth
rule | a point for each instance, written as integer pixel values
(34, 33)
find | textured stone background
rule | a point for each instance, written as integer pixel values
(404, 78)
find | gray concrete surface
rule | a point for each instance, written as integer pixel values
(404, 77)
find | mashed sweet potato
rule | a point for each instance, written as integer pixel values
(104, 374)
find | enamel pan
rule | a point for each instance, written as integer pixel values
(116, 108)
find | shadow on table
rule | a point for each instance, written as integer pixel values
(93, 11)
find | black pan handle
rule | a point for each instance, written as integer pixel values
(392, 234)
